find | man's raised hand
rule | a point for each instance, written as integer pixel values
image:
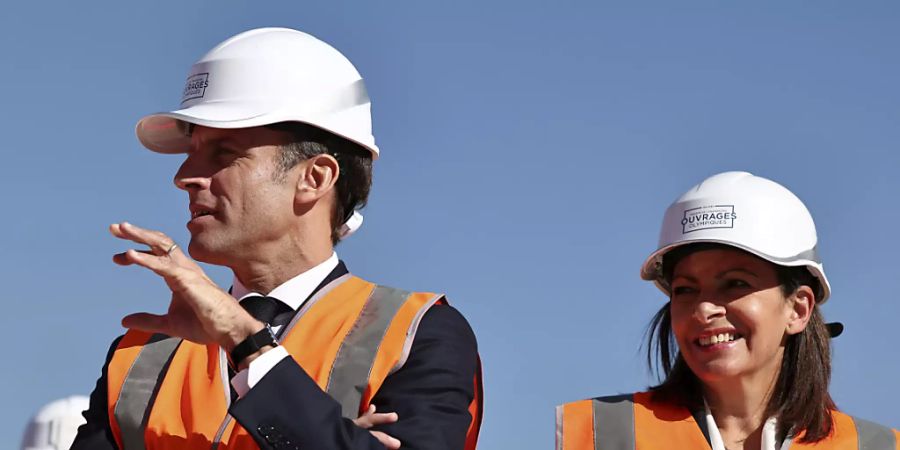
(199, 310)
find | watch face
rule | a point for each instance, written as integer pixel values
(272, 334)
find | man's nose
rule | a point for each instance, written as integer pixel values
(190, 176)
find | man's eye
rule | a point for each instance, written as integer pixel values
(224, 154)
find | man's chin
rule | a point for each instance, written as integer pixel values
(202, 252)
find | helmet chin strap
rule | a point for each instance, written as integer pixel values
(351, 225)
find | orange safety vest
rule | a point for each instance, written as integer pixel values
(165, 393)
(636, 422)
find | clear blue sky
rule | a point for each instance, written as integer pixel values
(529, 152)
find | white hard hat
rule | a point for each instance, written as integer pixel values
(744, 211)
(55, 425)
(261, 77)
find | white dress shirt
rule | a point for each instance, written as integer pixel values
(769, 436)
(293, 293)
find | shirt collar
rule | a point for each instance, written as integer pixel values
(295, 291)
(769, 439)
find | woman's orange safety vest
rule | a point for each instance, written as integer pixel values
(635, 422)
(165, 393)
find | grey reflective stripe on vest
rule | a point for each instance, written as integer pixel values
(559, 427)
(614, 422)
(354, 360)
(872, 436)
(140, 388)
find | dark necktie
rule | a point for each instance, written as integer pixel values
(264, 309)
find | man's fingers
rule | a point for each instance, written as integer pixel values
(370, 418)
(365, 420)
(123, 260)
(159, 243)
(386, 440)
(151, 323)
(146, 259)
(383, 418)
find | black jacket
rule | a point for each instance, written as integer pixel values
(431, 394)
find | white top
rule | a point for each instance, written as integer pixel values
(293, 293)
(769, 436)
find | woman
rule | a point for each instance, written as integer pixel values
(742, 343)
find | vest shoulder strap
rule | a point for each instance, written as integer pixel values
(873, 436)
(140, 388)
(614, 422)
(850, 432)
(869, 435)
(599, 423)
(661, 423)
(626, 422)
(354, 360)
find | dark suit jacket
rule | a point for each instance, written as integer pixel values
(431, 394)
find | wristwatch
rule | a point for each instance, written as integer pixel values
(252, 344)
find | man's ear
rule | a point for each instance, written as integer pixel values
(318, 176)
(802, 303)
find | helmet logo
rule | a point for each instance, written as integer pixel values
(706, 217)
(195, 87)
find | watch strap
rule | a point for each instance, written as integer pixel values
(252, 344)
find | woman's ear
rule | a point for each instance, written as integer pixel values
(802, 303)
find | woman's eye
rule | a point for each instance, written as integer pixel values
(735, 283)
(682, 290)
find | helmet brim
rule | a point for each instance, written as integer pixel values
(167, 132)
(651, 268)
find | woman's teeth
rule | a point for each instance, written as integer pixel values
(717, 339)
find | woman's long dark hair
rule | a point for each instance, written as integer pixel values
(800, 400)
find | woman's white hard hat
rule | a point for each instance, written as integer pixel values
(744, 211)
(265, 76)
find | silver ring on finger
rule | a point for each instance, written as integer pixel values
(171, 249)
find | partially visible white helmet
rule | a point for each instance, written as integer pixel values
(745, 211)
(265, 76)
(55, 425)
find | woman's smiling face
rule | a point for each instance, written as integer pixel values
(729, 314)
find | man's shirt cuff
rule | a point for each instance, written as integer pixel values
(259, 367)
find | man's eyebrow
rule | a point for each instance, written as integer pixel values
(219, 141)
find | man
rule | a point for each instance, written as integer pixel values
(277, 130)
